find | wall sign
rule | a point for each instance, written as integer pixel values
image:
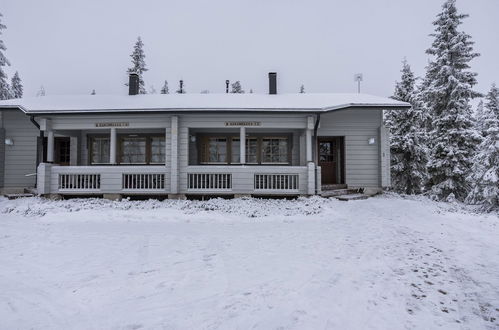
(243, 123)
(123, 124)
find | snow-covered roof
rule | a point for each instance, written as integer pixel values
(198, 102)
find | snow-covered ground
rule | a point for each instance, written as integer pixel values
(383, 263)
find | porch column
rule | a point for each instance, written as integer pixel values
(242, 144)
(174, 156)
(308, 145)
(50, 146)
(112, 146)
(73, 150)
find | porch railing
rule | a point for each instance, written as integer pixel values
(108, 179)
(261, 180)
(75, 181)
(209, 181)
(284, 182)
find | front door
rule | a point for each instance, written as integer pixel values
(62, 150)
(331, 159)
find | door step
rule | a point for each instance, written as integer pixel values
(327, 187)
(338, 192)
(351, 197)
(15, 196)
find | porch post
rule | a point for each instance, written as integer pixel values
(309, 145)
(310, 162)
(242, 144)
(50, 146)
(174, 156)
(112, 146)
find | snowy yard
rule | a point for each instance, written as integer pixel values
(383, 263)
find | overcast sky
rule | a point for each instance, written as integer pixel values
(74, 46)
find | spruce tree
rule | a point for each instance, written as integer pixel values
(16, 86)
(138, 64)
(448, 89)
(164, 89)
(407, 145)
(41, 91)
(302, 89)
(5, 92)
(236, 88)
(93, 92)
(485, 171)
(479, 113)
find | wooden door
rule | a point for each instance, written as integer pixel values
(330, 159)
(62, 152)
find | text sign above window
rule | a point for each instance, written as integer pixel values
(122, 124)
(243, 123)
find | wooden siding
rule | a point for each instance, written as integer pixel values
(362, 161)
(20, 158)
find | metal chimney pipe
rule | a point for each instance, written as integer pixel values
(227, 86)
(133, 84)
(272, 83)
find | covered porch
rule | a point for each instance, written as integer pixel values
(168, 155)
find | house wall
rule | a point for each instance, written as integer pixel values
(20, 158)
(365, 165)
(362, 161)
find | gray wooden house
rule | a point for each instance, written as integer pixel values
(194, 144)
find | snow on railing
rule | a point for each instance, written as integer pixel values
(79, 181)
(276, 181)
(149, 181)
(209, 181)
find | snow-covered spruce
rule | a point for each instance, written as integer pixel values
(236, 88)
(16, 86)
(164, 89)
(447, 91)
(5, 91)
(485, 171)
(407, 145)
(138, 64)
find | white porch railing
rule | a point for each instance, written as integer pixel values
(209, 181)
(246, 179)
(73, 181)
(284, 182)
(261, 180)
(107, 179)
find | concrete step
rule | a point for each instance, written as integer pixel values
(14, 196)
(351, 197)
(333, 186)
(338, 192)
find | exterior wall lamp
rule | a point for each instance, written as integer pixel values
(9, 142)
(371, 141)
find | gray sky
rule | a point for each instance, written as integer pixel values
(74, 46)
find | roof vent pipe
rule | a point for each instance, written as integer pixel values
(227, 86)
(133, 84)
(272, 83)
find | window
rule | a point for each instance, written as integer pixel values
(158, 150)
(136, 149)
(215, 150)
(251, 150)
(259, 150)
(133, 150)
(274, 150)
(99, 150)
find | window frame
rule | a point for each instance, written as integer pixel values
(201, 139)
(119, 138)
